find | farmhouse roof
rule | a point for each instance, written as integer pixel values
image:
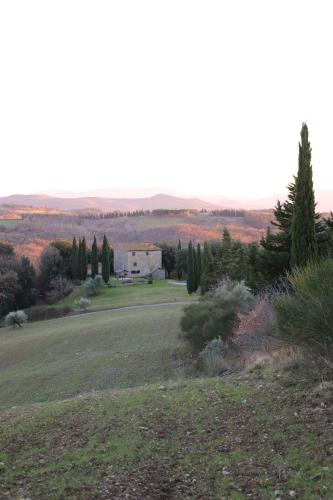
(131, 247)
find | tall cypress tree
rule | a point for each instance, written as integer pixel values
(179, 269)
(224, 266)
(195, 269)
(207, 278)
(190, 269)
(84, 259)
(75, 260)
(199, 264)
(94, 259)
(79, 260)
(105, 260)
(304, 247)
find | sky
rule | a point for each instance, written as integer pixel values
(203, 97)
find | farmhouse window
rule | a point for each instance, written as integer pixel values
(147, 253)
(135, 264)
(133, 253)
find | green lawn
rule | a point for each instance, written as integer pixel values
(60, 358)
(133, 294)
(209, 438)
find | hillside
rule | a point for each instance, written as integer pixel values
(31, 234)
(107, 204)
(105, 405)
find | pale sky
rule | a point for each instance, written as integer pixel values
(203, 97)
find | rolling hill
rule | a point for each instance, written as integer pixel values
(107, 204)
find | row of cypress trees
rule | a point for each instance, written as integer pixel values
(80, 259)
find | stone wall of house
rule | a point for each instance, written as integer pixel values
(136, 262)
(146, 262)
(120, 259)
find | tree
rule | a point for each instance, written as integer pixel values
(224, 265)
(179, 267)
(190, 269)
(168, 257)
(79, 259)
(83, 259)
(207, 278)
(105, 260)
(51, 265)
(65, 250)
(304, 247)
(9, 289)
(6, 249)
(75, 261)
(94, 259)
(195, 270)
(27, 279)
(199, 264)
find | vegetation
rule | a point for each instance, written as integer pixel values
(16, 318)
(94, 258)
(105, 260)
(305, 315)
(216, 314)
(82, 304)
(64, 357)
(303, 235)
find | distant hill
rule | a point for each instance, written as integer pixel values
(123, 204)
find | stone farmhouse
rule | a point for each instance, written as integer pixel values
(137, 260)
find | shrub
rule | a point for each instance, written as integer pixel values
(82, 304)
(213, 356)
(42, 312)
(16, 318)
(305, 316)
(216, 313)
(94, 285)
(60, 287)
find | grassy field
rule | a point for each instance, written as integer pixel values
(10, 222)
(104, 405)
(61, 358)
(235, 438)
(133, 294)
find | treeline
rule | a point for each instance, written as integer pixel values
(114, 214)
(61, 265)
(228, 212)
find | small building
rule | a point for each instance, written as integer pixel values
(137, 260)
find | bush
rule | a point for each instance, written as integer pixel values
(305, 315)
(94, 285)
(82, 304)
(41, 313)
(216, 314)
(213, 356)
(60, 287)
(16, 318)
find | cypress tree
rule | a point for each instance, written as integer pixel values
(84, 260)
(79, 260)
(179, 269)
(224, 266)
(207, 267)
(195, 269)
(105, 260)
(199, 264)
(75, 260)
(94, 259)
(304, 247)
(190, 269)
